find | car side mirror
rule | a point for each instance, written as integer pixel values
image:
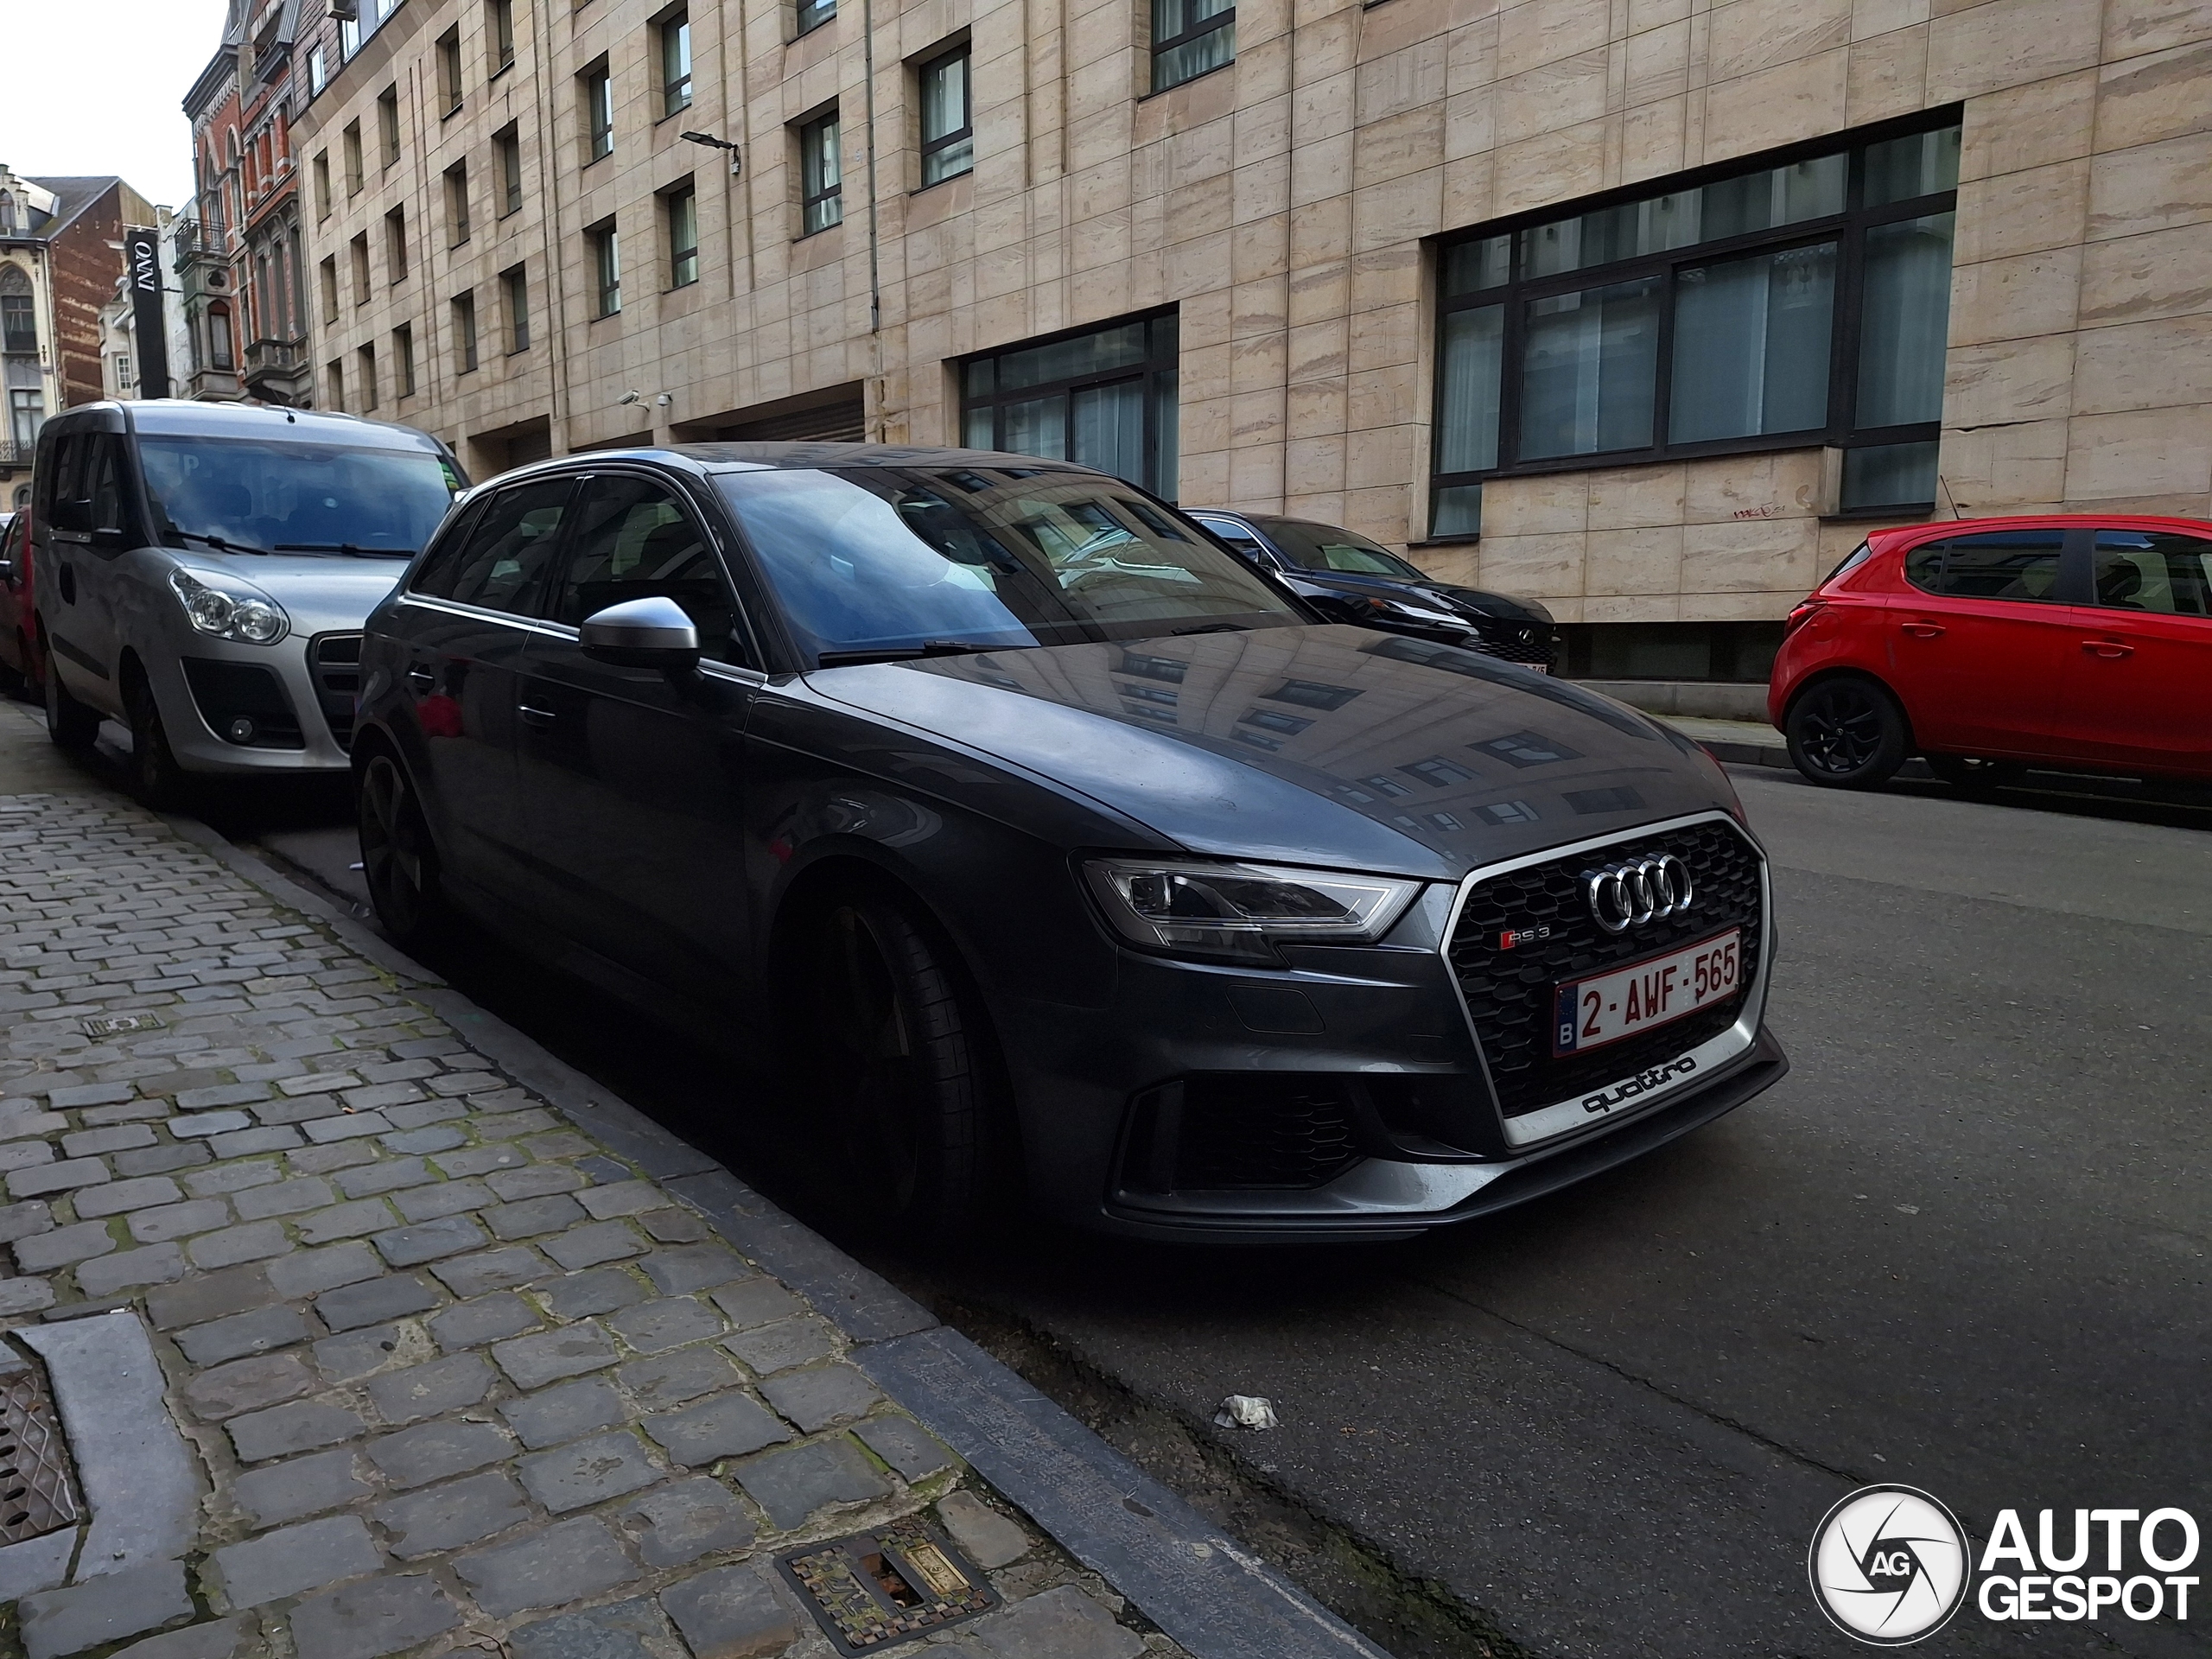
(75, 516)
(651, 632)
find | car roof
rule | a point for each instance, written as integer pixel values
(800, 454)
(184, 417)
(1897, 535)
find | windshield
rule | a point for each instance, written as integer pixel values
(1323, 547)
(898, 561)
(293, 497)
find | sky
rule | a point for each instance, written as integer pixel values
(98, 87)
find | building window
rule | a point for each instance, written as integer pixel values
(333, 384)
(361, 269)
(514, 290)
(457, 202)
(122, 370)
(349, 147)
(18, 311)
(365, 373)
(1780, 306)
(948, 128)
(318, 70)
(675, 63)
(682, 207)
(1104, 397)
(499, 33)
(395, 244)
(449, 70)
(464, 333)
(222, 350)
(607, 267)
(26, 414)
(508, 143)
(388, 127)
(322, 184)
(812, 13)
(1189, 37)
(330, 292)
(821, 176)
(596, 86)
(402, 360)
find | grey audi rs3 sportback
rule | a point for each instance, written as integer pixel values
(1057, 849)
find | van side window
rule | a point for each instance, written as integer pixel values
(104, 480)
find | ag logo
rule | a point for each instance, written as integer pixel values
(1888, 1565)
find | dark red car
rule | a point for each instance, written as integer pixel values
(20, 666)
(2081, 642)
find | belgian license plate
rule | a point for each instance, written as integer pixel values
(1588, 1014)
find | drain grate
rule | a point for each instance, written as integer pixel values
(38, 1490)
(114, 1024)
(892, 1585)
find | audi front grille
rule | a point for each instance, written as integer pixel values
(334, 664)
(1509, 991)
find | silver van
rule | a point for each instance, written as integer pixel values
(202, 572)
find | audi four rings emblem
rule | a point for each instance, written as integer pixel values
(1640, 890)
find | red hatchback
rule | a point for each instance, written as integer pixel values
(2080, 642)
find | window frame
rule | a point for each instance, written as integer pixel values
(671, 31)
(809, 131)
(1159, 47)
(1159, 371)
(807, 15)
(403, 361)
(467, 339)
(398, 256)
(606, 270)
(1847, 229)
(499, 35)
(596, 83)
(365, 361)
(390, 138)
(459, 226)
(451, 86)
(514, 299)
(965, 133)
(685, 192)
(506, 144)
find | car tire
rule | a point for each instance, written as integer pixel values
(72, 725)
(1846, 734)
(1970, 774)
(399, 861)
(893, 1045)
(156, 778)
(14, 682)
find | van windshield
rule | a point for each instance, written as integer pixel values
(309, 498)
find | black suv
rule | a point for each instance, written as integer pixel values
(1352, 579)
(1057, 846)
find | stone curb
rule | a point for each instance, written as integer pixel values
(1777, 755)
(1212, 1596)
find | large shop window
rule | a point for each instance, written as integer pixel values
(1788, 305)
(1104, 397)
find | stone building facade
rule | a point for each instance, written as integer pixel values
(1645, 307)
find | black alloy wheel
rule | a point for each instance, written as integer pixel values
(1846, 734)
(71, 724)
(398, 861)
(155, 778)
(1972, 775)
(884, 1039)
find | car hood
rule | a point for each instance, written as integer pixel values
(1328, 745)
(320, 592)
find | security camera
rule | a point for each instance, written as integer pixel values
(630, 397)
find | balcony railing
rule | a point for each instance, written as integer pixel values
(271, 356)
(198, 240)
(13, 454)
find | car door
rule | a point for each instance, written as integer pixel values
(632, 780)
(1978, 640)
(88, 563)
(2137, 685)
(467, 619)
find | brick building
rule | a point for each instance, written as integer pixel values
(1645, 307)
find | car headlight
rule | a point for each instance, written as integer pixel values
(230, 608)
(1242, 912)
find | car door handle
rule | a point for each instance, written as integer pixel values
(422, 679)
(1924, 630)
(2107, 648)
(533, 716)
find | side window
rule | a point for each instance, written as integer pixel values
(633, 541)
(1240, 541)
(2153, 570)
(103, 481)
(441, 559)
(503, 564)
(2013, 565)
(55, 475)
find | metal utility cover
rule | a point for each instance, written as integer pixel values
(114, 1024)
(38, 1492)
(892, 1585)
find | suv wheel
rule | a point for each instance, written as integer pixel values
(398, 861)
(155, 778)
(1846, 734)
(891, 1045)
(71, 724)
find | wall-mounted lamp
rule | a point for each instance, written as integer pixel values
(736, 157)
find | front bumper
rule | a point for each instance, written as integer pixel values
(298, 701)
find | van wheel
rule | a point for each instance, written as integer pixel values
(71, 724)
(1846, 734)
(1972, 775)
(155, 778)
(892, 1051)
(398, 859)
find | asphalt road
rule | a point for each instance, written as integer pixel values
(1964, 1246)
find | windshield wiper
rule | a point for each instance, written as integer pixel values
(1216, 627)
(220, 544)
(352, 550)
(907, 653)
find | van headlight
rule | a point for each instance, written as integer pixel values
(1242, 912)
(230, 608)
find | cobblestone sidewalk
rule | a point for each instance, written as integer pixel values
(361, 1349)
